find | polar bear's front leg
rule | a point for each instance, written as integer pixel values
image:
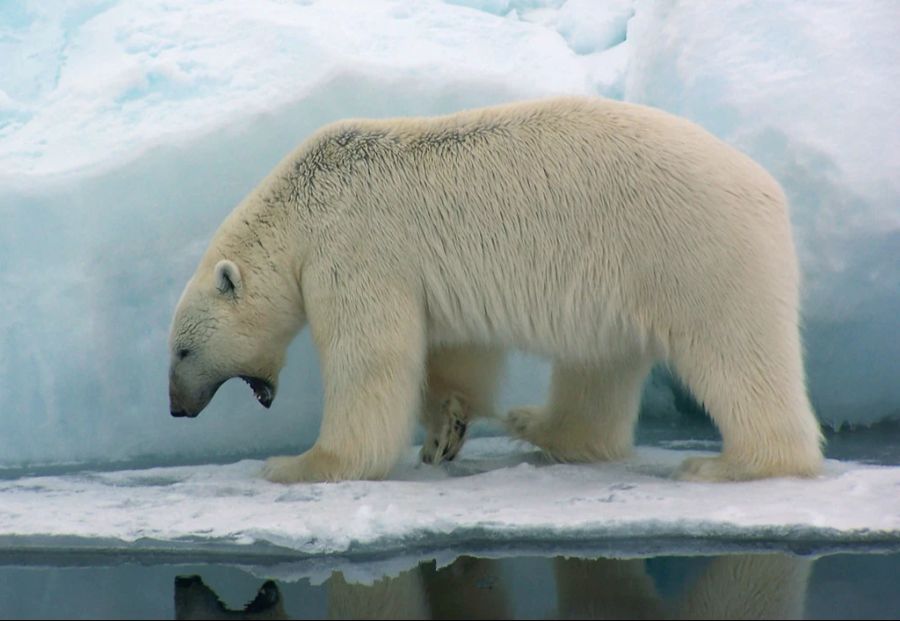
(372, 353)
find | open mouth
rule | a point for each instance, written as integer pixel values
(262, 390)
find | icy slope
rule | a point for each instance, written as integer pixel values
(128, 130)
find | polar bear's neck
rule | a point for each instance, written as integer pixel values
(264, 223)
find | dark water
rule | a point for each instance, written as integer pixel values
(733, 586)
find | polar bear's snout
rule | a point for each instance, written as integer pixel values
(177, 408)
(180, 407)
(185, 401)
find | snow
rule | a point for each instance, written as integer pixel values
(128, 130)
(497, 491)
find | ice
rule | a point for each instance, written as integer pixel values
(148, 122)
(128, 130)
(496, 492)
(589, 26)
(811, 91)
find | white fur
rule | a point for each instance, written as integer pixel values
(604, 235)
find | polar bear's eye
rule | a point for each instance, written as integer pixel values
(183, 353)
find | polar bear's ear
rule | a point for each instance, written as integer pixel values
(227, 277)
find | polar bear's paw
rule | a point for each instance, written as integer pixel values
(283, 469)
(446, 442)
(313, 465)
(526, 423)
(711, 469)
(717, 469)
(534, 425)
(569, 443)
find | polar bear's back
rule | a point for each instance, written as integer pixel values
(535, 216)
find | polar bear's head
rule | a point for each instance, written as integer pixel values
(228, 323)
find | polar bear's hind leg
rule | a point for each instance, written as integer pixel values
(591, 413)
(753, 388)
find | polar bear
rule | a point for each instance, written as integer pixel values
(603, 235)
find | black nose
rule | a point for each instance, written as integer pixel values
(181, 413)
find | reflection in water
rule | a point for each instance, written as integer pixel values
(757, 586)
(605, 589)
(754, 586)
(195, 600)
(468, 588)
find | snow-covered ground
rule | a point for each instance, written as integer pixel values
(128, 130)
(497, 491)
